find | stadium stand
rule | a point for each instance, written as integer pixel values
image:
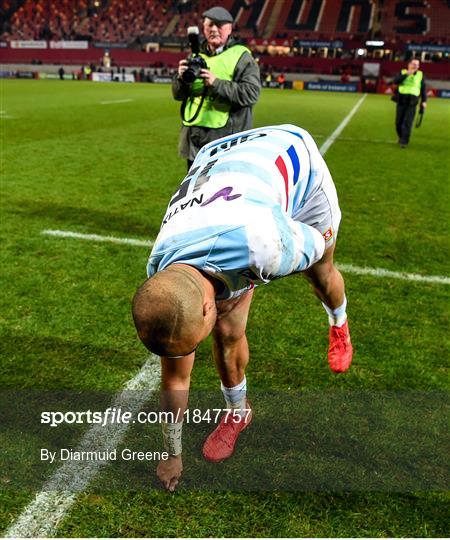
(319, 19)
(119, 21)
(113, 21)
(128, 26)
(418, 21)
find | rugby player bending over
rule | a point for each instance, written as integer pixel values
(255, 206)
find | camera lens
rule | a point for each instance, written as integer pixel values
(189, 76)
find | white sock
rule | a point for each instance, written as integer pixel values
(236, 397)
(338, 316)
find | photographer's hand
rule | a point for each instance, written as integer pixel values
(182, 67)
(208, 77)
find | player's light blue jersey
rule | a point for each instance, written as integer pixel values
(233, 215)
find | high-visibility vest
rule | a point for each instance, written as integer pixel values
(214, 112)
(412, 83)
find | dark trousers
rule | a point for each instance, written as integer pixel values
(404, 121)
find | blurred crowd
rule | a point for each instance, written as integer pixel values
(112, 21)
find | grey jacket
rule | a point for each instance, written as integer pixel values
(242, 93)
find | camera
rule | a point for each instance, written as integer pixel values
(195, 63)
(194, 66)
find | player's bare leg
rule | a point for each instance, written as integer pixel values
(326, 280)
(231, 354)
(329, 287)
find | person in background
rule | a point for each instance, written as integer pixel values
(225, 91)
(411, 89)
(281, 80)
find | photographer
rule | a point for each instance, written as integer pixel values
(411, 86)
(218, 85)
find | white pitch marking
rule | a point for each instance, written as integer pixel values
(112, 102)
(98, 238)
(382, 272)
(377, 272)
(43, 515)
(355, 139)
(5, 115)
(326, 145)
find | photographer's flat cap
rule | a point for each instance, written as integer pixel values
(219, 15)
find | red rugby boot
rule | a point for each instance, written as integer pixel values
(220, 443)
(340, 351)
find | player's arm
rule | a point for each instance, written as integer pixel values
(175, 381)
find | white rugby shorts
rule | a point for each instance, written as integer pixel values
(322, 210)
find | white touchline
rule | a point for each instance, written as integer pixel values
(326, 145)
(113, 102)
(382, 272)
(358, 139)
(355, 139)
(98, 238)
(350, 268)
(43, 515)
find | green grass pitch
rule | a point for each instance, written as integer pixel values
(70, 162)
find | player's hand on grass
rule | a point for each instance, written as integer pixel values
(169, 471)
